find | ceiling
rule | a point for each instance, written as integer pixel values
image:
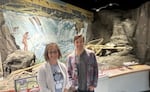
(91, 5)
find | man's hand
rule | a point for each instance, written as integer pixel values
(91, 88)
(65, 90)
(72, 89)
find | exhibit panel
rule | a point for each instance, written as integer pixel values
(103, 83)
(135, 79)
(132, 82)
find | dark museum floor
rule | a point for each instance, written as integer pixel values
(147, 91)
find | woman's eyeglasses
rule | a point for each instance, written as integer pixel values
(52, 52)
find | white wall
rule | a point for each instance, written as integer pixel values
(132, 82)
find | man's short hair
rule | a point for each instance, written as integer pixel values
(78, 36)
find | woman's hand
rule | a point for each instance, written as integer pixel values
(65, 90)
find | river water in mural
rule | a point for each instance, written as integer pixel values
(41, 31)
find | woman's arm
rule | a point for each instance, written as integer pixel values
(42, 80)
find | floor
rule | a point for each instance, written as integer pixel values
(147, 91)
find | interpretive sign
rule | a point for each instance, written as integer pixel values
(28, 84)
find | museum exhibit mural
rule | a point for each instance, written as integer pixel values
(28, 25)
(32, 33)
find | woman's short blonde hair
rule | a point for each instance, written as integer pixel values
(48, 46)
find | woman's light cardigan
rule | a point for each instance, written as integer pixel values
(46, 80)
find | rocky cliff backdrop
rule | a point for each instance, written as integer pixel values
(120, 28)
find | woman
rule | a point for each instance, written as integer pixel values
(53, 76)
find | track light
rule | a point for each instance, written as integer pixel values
(110, 4)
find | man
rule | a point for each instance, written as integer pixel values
(82, 67)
